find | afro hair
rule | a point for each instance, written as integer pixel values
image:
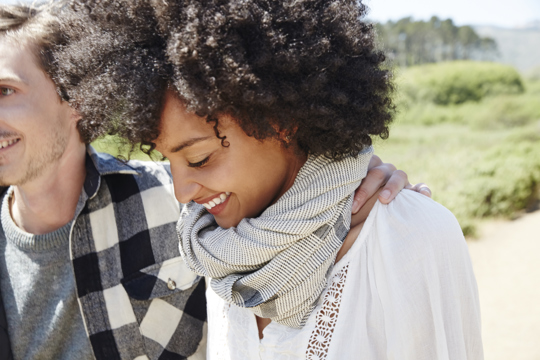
(309, 68)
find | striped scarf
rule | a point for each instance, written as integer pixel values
(276, 264)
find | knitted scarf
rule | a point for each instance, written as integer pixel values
(276, 264)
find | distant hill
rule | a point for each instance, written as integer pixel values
(519, 47)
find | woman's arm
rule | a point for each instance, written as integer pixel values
(424, 279)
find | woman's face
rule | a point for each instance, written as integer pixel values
(234, 182)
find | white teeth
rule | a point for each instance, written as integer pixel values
(4, 144)
(222, 197)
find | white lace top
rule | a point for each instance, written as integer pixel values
(405, 290)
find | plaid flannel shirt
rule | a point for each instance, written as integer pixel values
(137, 298)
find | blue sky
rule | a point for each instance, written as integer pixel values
(463, 12)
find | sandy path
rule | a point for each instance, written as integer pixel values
(506, 261)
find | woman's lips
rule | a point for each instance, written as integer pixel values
(216, 203)
(219, 207)
(215, 200)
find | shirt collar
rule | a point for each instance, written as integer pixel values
(100, 164)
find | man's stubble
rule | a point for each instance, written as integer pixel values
(49, 153)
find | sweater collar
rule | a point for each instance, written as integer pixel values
(30, 242)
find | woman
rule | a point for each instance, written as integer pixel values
(266, 114)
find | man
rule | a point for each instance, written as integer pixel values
(89, 260)
(89, 264)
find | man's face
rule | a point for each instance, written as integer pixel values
(34, 122)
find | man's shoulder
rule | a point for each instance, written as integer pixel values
(154, 178)
(125, 180)
(159, 170)
(143, 171)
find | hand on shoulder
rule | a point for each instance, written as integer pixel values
(357, 222)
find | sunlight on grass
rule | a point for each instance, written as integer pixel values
(480, 158)
(119, 148)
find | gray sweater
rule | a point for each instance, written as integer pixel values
(38, 290)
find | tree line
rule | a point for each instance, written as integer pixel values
(408, 42)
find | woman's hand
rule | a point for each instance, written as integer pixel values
(382, 174)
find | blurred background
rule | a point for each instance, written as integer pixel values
(468, 125)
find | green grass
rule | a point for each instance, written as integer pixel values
(453, 83)
(119, 148)
(481, 159)
(503, 111)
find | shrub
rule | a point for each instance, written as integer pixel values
(505, 111)
(457, 82)
(507, 181)
(495, 112)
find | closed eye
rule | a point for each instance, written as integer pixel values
(198, 164)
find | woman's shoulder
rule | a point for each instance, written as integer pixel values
(412, 271)
(414, 229)
(413, 209)
(423, 278)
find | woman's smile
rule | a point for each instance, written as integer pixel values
(215, 204)
(234, 176)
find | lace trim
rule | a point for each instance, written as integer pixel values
(326, 318)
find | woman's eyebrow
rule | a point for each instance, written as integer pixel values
(189, 143)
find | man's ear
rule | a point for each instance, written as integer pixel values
(74, 115)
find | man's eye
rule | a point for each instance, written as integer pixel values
(199, 164)
(6, 91)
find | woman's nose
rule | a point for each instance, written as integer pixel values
(185, 185)
(186, 191)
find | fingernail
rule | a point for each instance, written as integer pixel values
(426, 192)
(385, 194)
(355, 206)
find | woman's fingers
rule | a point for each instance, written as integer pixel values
(374, 162)
(384, 174)
(396, 183)
(422, 189)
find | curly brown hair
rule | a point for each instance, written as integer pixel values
(308, 68)
(112, 68)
